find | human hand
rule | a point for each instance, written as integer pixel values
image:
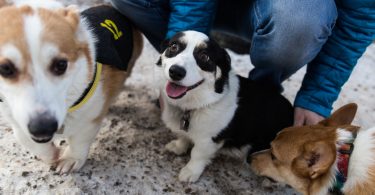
(305, 117)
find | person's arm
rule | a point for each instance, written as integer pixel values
(326, 74)
(195, 15)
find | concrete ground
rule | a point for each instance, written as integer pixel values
(128, 156)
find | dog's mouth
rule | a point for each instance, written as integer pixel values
(42, 139)
(176, 91)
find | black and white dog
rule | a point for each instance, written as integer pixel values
(208, 106)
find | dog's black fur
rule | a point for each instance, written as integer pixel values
(262, 112)
(219, 57)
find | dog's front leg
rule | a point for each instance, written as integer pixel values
(75, 155)
(47, 152)
(178, 146)
(201, 155)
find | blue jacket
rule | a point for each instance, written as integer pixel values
(190, 15)
(326, 74)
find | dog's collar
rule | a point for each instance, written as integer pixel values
(343, 156)
(89, 91)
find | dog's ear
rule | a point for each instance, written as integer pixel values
(316, 158)
(3, 3)
(342, 116)
(71, 15)
(163, 46)
(227, 58)
(158, 63)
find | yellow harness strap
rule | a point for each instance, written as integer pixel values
(90, 93)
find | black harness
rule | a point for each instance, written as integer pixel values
(114, 35)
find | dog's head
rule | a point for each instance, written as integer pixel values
(196, 69)
(303, 157)
(43, 52)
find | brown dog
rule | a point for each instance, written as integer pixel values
(316, 159)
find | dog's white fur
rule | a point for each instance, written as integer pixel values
(211, 112)
(55, 95)
(204, 95)
(45, 94)
(361, 159)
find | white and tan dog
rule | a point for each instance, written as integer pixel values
(50, 82)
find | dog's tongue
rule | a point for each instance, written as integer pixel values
(174, 90)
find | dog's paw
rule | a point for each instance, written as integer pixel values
(50, 157)
(70, 162)
(177, 146)
(189, 175)
(68, 165)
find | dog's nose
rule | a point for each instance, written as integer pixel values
(177, 72)
(43, 125)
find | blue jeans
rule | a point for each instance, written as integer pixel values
(284, 34)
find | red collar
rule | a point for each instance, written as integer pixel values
(343, 156)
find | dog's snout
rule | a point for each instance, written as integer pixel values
(43, 125)
(177, 73)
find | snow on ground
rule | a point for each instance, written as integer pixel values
(128, 156)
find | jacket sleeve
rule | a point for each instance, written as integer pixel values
(191, 15)
(327, 73)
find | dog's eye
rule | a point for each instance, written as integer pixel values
(8, 70)
(204, 57)
(174, 47)
(59, 66)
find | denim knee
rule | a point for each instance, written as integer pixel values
(289, 34)
(150, 16)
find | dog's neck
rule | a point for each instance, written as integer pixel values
(185, 120)
(90, 89)
(229, 96)
(345, 149)
(89, 85)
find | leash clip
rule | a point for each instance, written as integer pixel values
(347, 151)
(185, 121)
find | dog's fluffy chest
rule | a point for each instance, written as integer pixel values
(78, 119)
(361, 164)
(204, 123)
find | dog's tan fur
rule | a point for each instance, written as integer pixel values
(368, 186)
(113, 85)
(62, 33)
(305, 157)
(13, 33)
(62, 28)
